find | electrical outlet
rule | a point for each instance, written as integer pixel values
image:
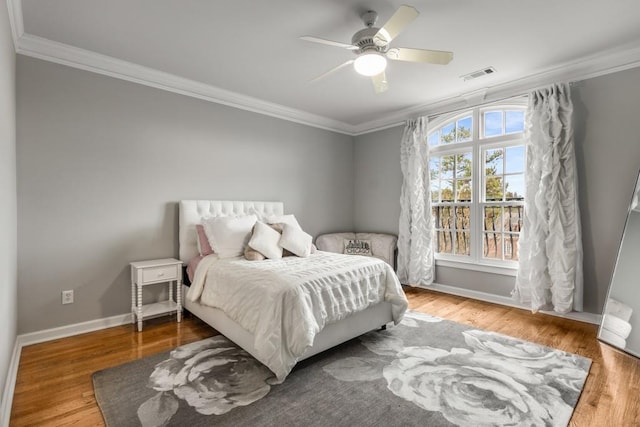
(67, 297)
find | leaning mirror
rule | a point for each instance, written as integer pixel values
(620, 325)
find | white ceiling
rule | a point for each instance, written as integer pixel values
(247, 52)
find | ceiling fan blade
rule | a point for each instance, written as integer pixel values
(400, 19)
(328, 42)
(380, 83)
(334, 69)
(420, 55)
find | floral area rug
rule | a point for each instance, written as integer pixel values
(426, 371)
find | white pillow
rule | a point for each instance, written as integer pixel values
(283, 219)
(295, 240)
(265, 240)
(228, 235)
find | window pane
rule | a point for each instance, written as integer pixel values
(493, 162)
(514, 121)
(514, 187)
(443, 242)
(434, 168)
(435, 191)
(448, 134)
(447, 165)
(464, 129)
(463, 190)
(446, 193)
(511, 246)
(492, 215)
(463, 165)
(515, 159)
(492, 245)
(492, 123)
(443, 216)
(493, 189)
(463, 217)
(512, 220)
(463, 243)
(434, 138)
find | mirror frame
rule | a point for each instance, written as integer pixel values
(635, 199)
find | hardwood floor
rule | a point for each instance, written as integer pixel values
(54, 386)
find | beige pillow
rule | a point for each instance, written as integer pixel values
(253, 255)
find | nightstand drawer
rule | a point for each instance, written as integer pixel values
(159, 274)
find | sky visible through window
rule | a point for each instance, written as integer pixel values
(499, 123)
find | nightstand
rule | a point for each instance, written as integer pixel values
(153, 272)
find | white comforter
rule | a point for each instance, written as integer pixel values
(285, 303)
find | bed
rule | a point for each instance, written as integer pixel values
(374, 316)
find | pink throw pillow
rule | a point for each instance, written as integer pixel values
(205, 247)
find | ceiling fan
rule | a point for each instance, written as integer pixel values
(371, 45)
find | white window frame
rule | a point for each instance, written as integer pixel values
(477, 146)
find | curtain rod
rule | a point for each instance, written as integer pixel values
(474, 105)
(506, 98)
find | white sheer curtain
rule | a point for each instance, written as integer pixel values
(550, 271)
(416, 263)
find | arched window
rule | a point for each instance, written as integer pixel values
(477, 167)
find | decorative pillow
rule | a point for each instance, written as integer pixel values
(357, 247)
(228, 235)
(252, 255)
(192, 265)
(283, 219)
(296, 241)
(204, 248)
(264, 239)
(278, 226)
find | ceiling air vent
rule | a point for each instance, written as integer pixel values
(479, 73)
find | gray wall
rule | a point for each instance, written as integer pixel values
(8, 287)
(101, 164)
(608, 155)
(377, 181)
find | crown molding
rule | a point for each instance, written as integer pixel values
(16, 21)
(48, 50)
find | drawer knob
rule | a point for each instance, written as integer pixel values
(161, 273)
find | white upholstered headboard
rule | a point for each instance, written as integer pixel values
(191, 211)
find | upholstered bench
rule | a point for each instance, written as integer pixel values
(378, 245)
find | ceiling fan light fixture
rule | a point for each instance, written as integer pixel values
(370, 64)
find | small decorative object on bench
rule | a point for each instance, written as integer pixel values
(379, 245)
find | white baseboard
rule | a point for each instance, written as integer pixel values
(48, 335)
(75, 329)
(509, 302)
(10, 385)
